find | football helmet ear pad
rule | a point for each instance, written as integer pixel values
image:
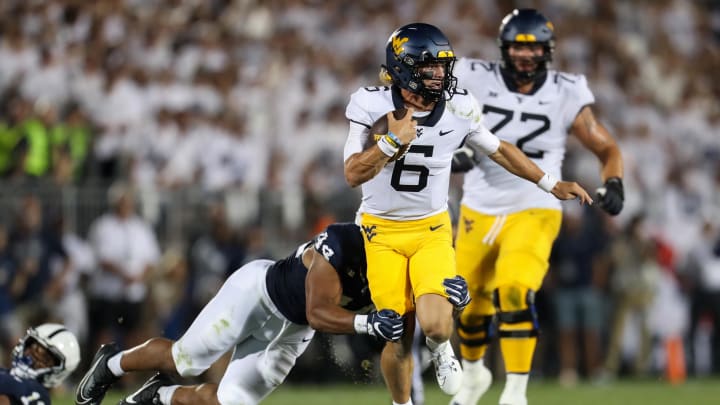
(416, 45)
(526, 26)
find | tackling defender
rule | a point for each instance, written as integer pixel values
(507, 227)
(403, 214)
(267, 311)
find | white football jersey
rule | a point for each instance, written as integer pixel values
(536, 123)
(416, 186)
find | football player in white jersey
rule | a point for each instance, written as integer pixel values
(403, 214)
(507, 227)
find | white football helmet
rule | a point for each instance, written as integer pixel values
(60, 342)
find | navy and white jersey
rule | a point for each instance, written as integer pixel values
(22, 391)
(342, 246)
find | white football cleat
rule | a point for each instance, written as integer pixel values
(476, 381)
(514, 391)
(448, 371)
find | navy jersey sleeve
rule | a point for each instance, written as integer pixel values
(23, 391)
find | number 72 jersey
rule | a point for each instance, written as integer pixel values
(536, 123)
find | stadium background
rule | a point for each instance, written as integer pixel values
(225, 121)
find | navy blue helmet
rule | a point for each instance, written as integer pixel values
(415, 45)
(526, 26)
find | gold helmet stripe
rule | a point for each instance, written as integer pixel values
(525, 38)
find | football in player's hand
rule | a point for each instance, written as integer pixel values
(380, 128)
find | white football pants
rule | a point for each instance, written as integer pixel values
(242, 317)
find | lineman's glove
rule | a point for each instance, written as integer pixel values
(386, 324)
(457, 290)
(611, 196)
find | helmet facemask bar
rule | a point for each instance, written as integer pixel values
(543, 61)
(449, 82)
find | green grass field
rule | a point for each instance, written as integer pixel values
(694, 392)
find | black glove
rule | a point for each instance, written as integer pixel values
(611, 196)
(462, 160)
(387, 325)
(457, 290)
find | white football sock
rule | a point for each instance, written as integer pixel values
(435, 346)
(166, 393)
(517, 383)
(397, 403)
(473, 365)
(113, 365)
(515, 389)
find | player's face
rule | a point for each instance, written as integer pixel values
(525, 57)
(41, 357)
(433, 75)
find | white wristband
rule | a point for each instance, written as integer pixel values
(360, 324)
(386, 147)
(547, 182)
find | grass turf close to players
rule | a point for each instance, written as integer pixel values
(655, 392)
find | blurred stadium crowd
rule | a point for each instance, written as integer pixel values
(150, 147)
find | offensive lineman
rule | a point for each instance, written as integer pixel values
(507, 227)
(403, 214)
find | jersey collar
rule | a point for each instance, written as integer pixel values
(510, 82)
(426, 121)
